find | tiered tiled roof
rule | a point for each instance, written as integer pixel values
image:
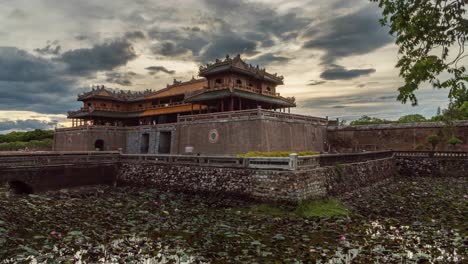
(125, 96)
(237, 64)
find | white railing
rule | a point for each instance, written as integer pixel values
(433, 154)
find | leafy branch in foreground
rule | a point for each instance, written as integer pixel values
(431, 35)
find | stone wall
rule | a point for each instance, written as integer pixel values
(219, 137)
(227, 137)
(448, 165)
(44, 178)
(267, 185)
(394, 136)
(84, 138)
(135, 138)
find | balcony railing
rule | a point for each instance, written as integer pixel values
(136, 109)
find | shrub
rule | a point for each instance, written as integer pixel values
(454, 141)
(45, 144)
(420, 147)
(433, 140)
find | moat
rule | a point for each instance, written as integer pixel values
(408, 220)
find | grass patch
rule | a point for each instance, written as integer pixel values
(309, 208)
(321, 208)
(276, 154)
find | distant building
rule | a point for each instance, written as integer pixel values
(231, 110)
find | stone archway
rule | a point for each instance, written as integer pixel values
(99, 145)
(19, 187)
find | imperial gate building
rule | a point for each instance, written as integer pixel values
(233, 108)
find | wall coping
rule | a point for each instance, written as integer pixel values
(293, 162)
(396, 126)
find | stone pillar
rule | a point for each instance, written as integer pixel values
(293, 161)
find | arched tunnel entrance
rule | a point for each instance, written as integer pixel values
(99, 145)
(19, 187)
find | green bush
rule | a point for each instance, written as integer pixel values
(27, 136)
(45, 144)
(454, 141)
(420, 147)
(433, 140)
(276, 154)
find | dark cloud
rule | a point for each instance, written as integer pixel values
(268, 58)
(122, 78)
(337, 72)
(222, 30)
(228, 44)
(135, 35)
(18, 14)
(260, 17)
(27, 124)
(102, 57)
(19, 66)
(265, 40)
(155, 69)
(52, 48)
(178, 42)
(168, 49)
(339, 106)
(31, 83)
(354, 34)
(315, 82)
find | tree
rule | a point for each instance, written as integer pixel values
(367, 120)
(412, 119)
(433, 140)
(431, 36)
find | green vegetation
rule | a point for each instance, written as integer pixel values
(367, 120)
(409, 220)
(454, 141)
(37, 134)
(431, 36)
(321, 208)
(32, 140)
(433, 140)
(329, 207)
(45, 144)
(412, 119)
(276, 154)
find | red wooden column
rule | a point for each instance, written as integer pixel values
(191, 112)
(240, 104)
(199, 108)
(222, 105)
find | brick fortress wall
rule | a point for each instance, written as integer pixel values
(394, 136)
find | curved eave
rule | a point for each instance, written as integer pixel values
(107, 98)
(108, 114)
(219, 94)
(172, 110)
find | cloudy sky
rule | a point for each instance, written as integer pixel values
(336, 58)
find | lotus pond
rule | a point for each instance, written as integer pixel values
(423, 220)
